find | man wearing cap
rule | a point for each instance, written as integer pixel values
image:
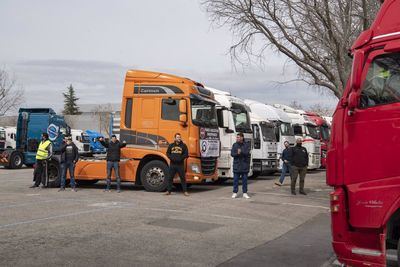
(69, 157)
(44, 153)
(113, 158)
(299, 163)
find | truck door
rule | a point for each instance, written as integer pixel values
(371, 131)
(169, 121)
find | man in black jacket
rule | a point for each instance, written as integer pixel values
(69, 157)
(113, 158)
(177, 152)
(299, 163)
(241, 164)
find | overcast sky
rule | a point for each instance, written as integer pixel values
(49, 44)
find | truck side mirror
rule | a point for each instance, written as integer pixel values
(183, 118)
(353, 102)
(183, 106)
(356, 70)
(225, 119)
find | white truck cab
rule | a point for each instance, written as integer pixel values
(81, 140)
(306, 129)
(3, 138)
(11, 136)
(233, 118)
(283, 124)
(265, 161)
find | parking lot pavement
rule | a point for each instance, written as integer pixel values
(138, 228)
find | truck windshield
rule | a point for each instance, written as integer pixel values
(312, 131)
(85, 138)
(268, 132)
(325, 133)
(2, 135)
(203, 113)
(286, 129)
(241, 118)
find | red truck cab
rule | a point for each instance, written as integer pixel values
(363, 157)
(323, 129)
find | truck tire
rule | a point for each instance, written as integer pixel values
(16, 160)
(86, 182)
(154, 176)
(54, 172)
(221, 180)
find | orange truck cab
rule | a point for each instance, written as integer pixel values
(155, 106)
(363, 157)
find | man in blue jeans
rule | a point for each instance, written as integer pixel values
(113, 158)
(241, 164)
(286, 158)
(69, 157)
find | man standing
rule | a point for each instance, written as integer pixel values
(286, 158)
(177, 152)
(299, 165)
(241, 164)
(69, 157)
(113, 158)
(44, 153)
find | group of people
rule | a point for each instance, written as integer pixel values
(295, 161)
(69, 158)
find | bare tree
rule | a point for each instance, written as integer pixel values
(313, 34)
(296, 105)
(321, 110)
(11, 94)
(103, 114)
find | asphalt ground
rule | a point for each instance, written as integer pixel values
(43, 227)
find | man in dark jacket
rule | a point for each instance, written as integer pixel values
(69, 157)
(177, 152)
(299, 165)
(286, 158)
(113, 158)
(241, 164)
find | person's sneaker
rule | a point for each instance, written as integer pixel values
(293, 193)
(118, 190)
(33, 186)
(61, 189)
(234, 195)
(106, 190)
(186, 194)
(167, 193)
(246, 196)
(278, 183)
(303, 193)
(73, 189)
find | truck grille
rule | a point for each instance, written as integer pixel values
(208, 165)
(86, 147)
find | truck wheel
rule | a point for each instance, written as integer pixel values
(220, 180)
(154, 176)
(54, 172)
(16, 160)
(86, 182)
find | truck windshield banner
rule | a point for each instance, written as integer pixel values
(209, 142)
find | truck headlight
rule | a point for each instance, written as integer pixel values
(195, 168)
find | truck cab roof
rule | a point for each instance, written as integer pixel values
(267, 111)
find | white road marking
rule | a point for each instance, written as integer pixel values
(4, 226)
(287, 195)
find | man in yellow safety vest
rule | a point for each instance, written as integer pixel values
(44, 152)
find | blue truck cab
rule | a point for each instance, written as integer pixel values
(95, 146)
(32, 122)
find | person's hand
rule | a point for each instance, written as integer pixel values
(239, 151)
(101, 139)
(285, 161)
(124, 142)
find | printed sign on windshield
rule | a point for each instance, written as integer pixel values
(209, 142)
